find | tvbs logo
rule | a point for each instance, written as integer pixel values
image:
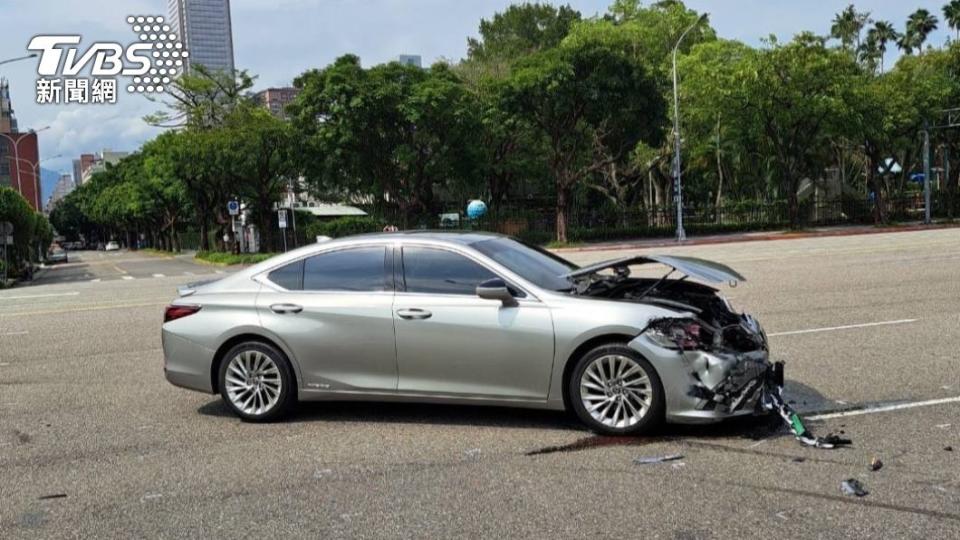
(150, 63)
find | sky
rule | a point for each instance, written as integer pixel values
(279, 39)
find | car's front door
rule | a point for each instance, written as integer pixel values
(451, 342)
(335, 315)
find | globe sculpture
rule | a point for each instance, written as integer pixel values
(476, 209)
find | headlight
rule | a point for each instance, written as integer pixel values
(678, 334)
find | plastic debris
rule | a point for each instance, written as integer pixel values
(852, 486)
(948, 448)
(472, 453)
(657, 459)
(52, 496)
(876, 464)
(772, 400)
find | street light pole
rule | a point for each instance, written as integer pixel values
(678, 186)
(8, 60)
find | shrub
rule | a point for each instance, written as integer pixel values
(344, 226)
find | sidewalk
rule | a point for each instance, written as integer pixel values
(846, 230)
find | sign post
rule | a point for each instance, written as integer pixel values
(233, 208)
(282, 220)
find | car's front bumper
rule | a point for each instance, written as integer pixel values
(705, 387)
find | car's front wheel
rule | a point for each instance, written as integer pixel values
(615, 391)
(256, 382)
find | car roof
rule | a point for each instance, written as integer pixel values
(459, 237)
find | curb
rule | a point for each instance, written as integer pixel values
(755, 237)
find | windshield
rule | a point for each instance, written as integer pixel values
(536, 265)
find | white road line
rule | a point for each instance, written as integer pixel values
(127, 277)
(884, 408)
(188, 273)
(159, 275)
(20, 333)
(844, 327)
(219, 272)
(95, 280)
(51, 295)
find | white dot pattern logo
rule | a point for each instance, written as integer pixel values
(152, 30)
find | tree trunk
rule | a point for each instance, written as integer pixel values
(204, 234)
(563, 203)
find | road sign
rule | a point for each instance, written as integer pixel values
(282, 217)
(233, 207)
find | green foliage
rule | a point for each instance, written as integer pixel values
(226, 259)
(31, 230)
(344, 226)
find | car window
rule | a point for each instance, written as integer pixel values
(429, 270)
(356, 269)
(534, 264)
(289, 277)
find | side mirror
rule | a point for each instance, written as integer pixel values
(496, 289)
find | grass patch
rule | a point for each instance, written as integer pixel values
(560, 245)
(227, 259)
(157, 252)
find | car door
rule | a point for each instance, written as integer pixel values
(452, 342)
(333, 310)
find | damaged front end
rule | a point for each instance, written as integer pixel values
(714, 363)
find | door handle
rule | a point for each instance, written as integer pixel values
(286, 308)
(414, 314)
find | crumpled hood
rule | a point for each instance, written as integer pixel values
(701, 269)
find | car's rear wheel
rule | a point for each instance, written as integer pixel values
(256, 382)
(615, 391)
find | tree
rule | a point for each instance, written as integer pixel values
(592, 104)
(521, 30)
(391, 134)
(951, 15)
(882, 33)
(847, 26)
(920, 25)
(201, 99)
(797, 96)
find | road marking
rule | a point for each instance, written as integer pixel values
(159, 275)
(95, 280)
(219, 272)
(128, 278)
(71, 310)
(20, 333)
(51, 295)
(188, 273)
(844, 327)
(884, 408)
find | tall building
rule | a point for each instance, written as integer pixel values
(91, 164)
(19, 153)
(410, 60)
(62, 189)
(204, 28)
(276, 99)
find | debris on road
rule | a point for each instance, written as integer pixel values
(772, 400)
(320, 473)
(948, 448)
(473, 453)
(876, 464)
(52, 496)
(657, 459)
(852, 486)
(943, 426)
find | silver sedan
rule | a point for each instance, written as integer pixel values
(471, 318)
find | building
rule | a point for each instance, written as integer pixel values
(80, 167)
(100, 162)
(62, 189)
(410, 60)
(19, 153)
(204, 28)
(276, 99)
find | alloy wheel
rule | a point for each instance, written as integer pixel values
(253, 382)
(615, 390)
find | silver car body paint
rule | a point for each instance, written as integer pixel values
(353, 346)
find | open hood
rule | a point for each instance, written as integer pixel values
(701, 269)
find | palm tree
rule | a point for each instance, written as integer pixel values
(847, 26)
(951, 15)
(869, 52)
(919, 26)
(883, 32)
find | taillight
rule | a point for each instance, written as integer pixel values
(173, 313)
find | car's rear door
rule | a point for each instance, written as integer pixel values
(450, 342)
(333, 310)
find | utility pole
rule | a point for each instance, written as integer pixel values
(678, 186)
(926, 173)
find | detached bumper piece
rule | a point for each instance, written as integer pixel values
(772, 400)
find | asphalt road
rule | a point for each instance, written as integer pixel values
(94, 442)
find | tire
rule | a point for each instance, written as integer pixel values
(620, 387)
(261, 386)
